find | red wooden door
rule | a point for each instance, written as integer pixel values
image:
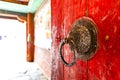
(104, 65)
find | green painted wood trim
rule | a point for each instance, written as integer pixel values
(33, 5)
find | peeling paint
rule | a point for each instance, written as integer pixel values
(118, 17)
(106, 16)
(105, 63)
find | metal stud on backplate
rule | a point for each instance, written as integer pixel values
(84, 35)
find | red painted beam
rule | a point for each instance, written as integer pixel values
(30, 37)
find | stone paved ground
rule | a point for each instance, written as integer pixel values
(26, 71)
(31, 72)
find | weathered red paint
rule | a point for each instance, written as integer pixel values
(105, 63)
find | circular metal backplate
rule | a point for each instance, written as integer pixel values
(84, 36)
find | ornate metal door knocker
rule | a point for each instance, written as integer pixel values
(82, 40)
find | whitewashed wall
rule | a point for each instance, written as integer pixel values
(43, 26)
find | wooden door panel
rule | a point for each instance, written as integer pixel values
(105, 63)
(64, 14)
(57, 34)
(72, 10)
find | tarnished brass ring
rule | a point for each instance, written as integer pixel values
(71, 44)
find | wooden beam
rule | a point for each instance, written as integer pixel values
(22, 17)
(8, 17)
(24, 2)
(10, 13)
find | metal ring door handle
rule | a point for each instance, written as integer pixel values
(63, 42)
(82, 39)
